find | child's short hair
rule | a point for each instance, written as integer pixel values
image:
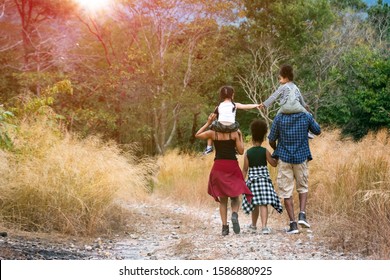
(286, 71)
(259, 130)
(226, 92)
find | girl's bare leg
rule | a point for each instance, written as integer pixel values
(264, 215)
(255, 215)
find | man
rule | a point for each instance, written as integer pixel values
(289, 139)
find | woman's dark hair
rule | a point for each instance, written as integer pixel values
(259, 130)
(226, 92)
(286, 71)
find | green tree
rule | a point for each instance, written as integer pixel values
(365, 102)
(355, 5)
(323, 55)
(280, 31)
(167, 44)
(379, 16)
(32, 15)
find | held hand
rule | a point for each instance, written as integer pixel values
(211, 118)
(261, 106)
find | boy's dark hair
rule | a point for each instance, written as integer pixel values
(286, 71)
(258, 130)
(226, 92)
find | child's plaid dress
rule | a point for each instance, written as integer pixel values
(260, 184)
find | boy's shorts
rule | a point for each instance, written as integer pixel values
(219, 127)
(287, 174)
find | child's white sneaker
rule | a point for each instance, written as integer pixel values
(310, 135)
(265, 230)
(208, 150)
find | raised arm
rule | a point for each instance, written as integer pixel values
(247, 106)
(275, 95)
(203, 132)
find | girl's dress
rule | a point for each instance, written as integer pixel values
(259, 182)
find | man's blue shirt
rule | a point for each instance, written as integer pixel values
(291, 133)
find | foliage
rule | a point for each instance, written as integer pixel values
(5, 139)
(365, 102)
(379, 16)
(357, 5)
(289, 25)
(31, 104)
(279, 32)
(148, 72)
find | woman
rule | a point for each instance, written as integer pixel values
(226, 179)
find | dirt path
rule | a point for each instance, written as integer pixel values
(176, 232)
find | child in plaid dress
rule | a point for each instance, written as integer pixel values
(258, 178)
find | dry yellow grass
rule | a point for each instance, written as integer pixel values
(350, 190)
(61, 183)
(184, 178)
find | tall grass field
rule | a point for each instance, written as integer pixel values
(54, 181)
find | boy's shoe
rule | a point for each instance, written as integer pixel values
(265, 230)
(208, 150)
(293, 228)
(225, 230)
(310, 135)
(302, 220)
(236, 225)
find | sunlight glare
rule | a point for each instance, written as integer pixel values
(94, 5)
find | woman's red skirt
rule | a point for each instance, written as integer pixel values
(226, 180)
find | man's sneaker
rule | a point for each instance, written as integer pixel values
(265, 230)
(225, 230)
(293, 228)
(208, 150)
(236, 225)
(310, 135)
(302, 220)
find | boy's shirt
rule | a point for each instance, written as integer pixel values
(282, 93)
